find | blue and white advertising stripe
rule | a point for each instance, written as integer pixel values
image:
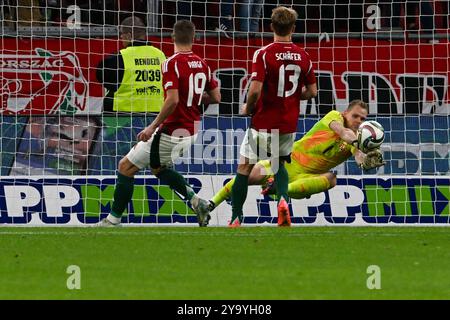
(356, 200)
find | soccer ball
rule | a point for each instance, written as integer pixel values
(370, 135)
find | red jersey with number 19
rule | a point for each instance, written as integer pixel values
(284, 69)
(190, 74)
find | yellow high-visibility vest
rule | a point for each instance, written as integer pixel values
(141, 89)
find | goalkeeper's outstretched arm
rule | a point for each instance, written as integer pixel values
(345, 134)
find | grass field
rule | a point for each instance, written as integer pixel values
(221, 263)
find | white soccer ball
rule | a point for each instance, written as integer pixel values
(370, 135)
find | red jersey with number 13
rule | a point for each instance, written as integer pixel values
(284, 69)
(190, 74)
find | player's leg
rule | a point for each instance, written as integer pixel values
(164, 150)
(258, 176)
(306, 185)
(281, 184)
(129, 165)
(239, 190)
(282, 178)
(123, 192)
(278, 167)
(301, 184)
(177, 182)
(249, 154)
(163, 153)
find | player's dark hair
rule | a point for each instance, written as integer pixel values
(183, 32)
(135, 26)
(360, 103)
(283, 19)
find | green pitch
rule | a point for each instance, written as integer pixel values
(222, 263)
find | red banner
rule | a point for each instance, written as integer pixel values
(50, 76)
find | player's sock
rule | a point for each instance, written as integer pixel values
(281, 183)
(176, 182)
(123, 193)
(303, 188)
(223, 193)
(238, 195)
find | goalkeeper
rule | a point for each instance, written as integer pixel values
(330, 142)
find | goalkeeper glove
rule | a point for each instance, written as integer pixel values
(373, 159)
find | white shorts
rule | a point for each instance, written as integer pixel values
(260, 145)
(160, 150)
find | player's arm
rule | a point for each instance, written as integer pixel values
(310, 81)
(350, 137)
(256, 84)
(345, 134)
(254, 92)
(309, 92)
(169, 106)
(211, 97)
(110, 72)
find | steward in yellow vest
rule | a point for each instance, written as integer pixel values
(133, 78)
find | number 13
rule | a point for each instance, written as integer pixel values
(292, 78)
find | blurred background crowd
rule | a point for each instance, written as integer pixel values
(229, 16)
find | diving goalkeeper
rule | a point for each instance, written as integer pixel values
(331, 141)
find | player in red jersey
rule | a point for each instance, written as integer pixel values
(282, 75)
(187, 83)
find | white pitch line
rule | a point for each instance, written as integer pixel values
(207, 234)
(148, 233)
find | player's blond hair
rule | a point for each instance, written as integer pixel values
(183, 32)
(283, 20)
(360, 103)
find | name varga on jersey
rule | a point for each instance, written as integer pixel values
(195, 64)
